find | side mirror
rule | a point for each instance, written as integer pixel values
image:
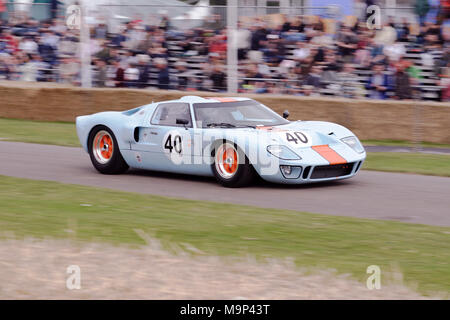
(184, 122)
(285, 114)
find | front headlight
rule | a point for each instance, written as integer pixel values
(283, 152)
(353, 143)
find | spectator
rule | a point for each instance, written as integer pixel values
(182, 78)
(302, 52)
(218, 79)
(100, 31)
(421, 9)
(218, 45)
(314, 77)
(163, 73)
(243, 36)
(28, 45)
(445, 83)
(119, 74)
(105, 52)
(350, 86)
(131, 76)
(330, 68)
(4, 66)
(378, 84)
(402, 82)
(101, 75)
(347, 43)
(144, 70)
(403, 31)
(68, 70)
(386, 36)
(259, 34)
(395, 51)
(165, 22)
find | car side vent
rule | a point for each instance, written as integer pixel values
(306, 172)
(136, 134)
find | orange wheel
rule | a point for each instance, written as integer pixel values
(231, 166)
(103, 147)
(104, 151)
(227, 160)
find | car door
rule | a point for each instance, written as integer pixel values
(166, 142)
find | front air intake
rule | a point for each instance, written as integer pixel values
(306, 172)
(332, 171)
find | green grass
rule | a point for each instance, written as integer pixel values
(57, 133)
(429, 164)
(401, 143)
(48, 209)
(64, 134)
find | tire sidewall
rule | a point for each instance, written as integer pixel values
(116, 161)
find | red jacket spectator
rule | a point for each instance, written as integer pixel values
(218, 45)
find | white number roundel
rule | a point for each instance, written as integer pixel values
(177, 146)
(296, 139)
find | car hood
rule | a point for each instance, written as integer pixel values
(304, 134)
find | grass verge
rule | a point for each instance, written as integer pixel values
(428, 164)
(401, 143)
(48, 209)
(57, 133)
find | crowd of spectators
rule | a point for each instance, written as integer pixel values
(299, 56)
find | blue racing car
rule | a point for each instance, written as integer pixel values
(232, 139)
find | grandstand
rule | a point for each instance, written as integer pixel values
(192, 63)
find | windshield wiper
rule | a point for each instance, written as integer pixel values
(229, 125)
(221, 124)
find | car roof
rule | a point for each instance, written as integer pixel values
(197, 99)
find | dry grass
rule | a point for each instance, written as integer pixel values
(33, 269)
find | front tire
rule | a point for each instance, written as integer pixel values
(104, 151)
(231, 166)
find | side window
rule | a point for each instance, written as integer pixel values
(167, 114)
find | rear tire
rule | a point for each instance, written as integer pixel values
(104, 151)
(231, 166)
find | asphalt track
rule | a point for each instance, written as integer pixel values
(376, 195)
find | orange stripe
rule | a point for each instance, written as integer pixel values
(329, 154)
(223, 99)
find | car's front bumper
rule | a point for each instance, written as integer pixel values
(312, 168)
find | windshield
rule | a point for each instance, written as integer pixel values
(248, 113)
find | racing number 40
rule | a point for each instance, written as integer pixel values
(174, 144)
(298, 136)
